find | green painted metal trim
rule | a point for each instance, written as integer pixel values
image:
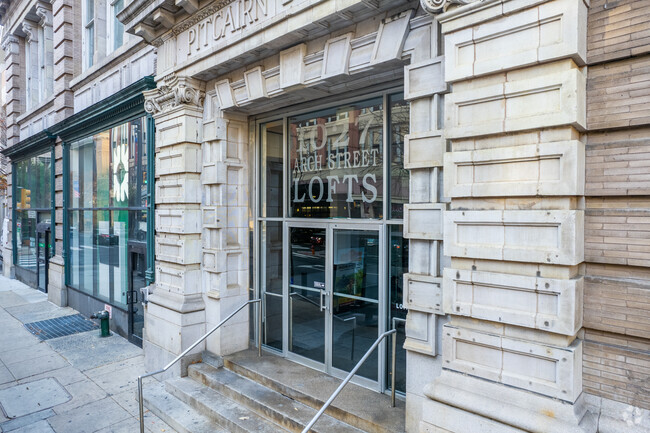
(14, 245)
(150, 273)
(117, 108)
(53, 200)
(66, 222)
(30, 146)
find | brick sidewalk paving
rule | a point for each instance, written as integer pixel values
(79, 383)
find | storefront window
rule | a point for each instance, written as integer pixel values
(33, 204)
(108, 212)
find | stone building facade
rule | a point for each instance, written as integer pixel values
(471, 173)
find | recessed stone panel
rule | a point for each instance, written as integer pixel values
(178, 279)
(549, 31)
(550, 237)
(543, 303)
(553, 95)
(549, 370)
(215, 260)
(181, 221)
(183, 158)
(214, 174)
(181, 249)
(424, 78)
(423, 221)
(424, 150)
(178, 189)
(181, 125)
(529, 170)
(423, 293)
(421, 332)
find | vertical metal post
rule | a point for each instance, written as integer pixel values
(140, 404)
(259, 327)
(392, 374)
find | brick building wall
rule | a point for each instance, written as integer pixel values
(616, 358)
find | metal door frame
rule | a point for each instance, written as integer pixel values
(132, 296)
(330, 226)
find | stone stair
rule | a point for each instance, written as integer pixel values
(243, 393)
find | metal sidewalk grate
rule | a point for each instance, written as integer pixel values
(60, 327)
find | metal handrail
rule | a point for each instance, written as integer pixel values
(186, 351)
(353, 372)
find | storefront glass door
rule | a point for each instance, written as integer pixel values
(334, 284)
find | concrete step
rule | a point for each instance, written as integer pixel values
(357, 406)
(272, 405)
(174, 412)
(219, 408)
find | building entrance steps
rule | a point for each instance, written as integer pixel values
(242, 393)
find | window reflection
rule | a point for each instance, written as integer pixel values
(33, 204)
(336, 162)
(108, 215)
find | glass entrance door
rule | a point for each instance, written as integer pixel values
(308, 292)
(335, 278)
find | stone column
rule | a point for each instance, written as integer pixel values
(63, 69)
(224, 266)
(424, 148)
(67, 48)
(175, 314)
(514, 170)
(14, 83)
(44, 11)
(31, 64)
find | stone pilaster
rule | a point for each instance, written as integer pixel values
(66, 54)
(175, 314)
(224, 266)
(44, 12)
(57, 292)
(31, 64)
(15, 86)
(514, 170)
(424, 147)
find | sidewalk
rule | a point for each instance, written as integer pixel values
(79, 383)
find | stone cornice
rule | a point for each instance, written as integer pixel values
(200, 15)
(174, 91)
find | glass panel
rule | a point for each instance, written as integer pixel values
(335, 158)
(271, 281)
(355, 308)
(272, 169)
(273, 321)
(108, 171)
(398, 253)
(399, 176)
(33, 183)
(307, 284)
(118, 27)
(26, 239)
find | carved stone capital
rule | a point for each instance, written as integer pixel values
(439, 6)
(10, 44)
(174, 91)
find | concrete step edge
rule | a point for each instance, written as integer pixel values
(176, 413)
(218, 407)
(334, 411)
(268, 403)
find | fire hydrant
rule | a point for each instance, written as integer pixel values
(103, 318)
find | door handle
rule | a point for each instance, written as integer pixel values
(322, 305)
